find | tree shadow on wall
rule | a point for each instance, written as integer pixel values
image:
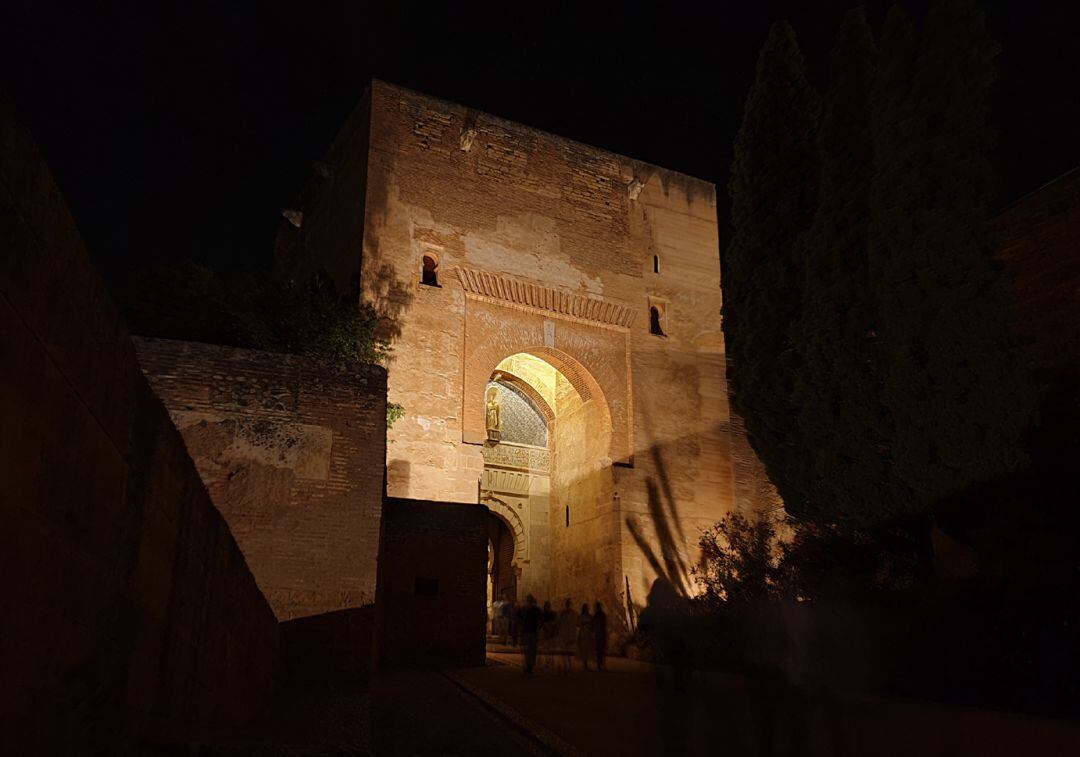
(391, 297)
(662, 552)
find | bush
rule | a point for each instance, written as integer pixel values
(744, 560)
(740, 561)
(253, 310)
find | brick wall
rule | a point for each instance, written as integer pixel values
(130, 619)
(292, 452)
(1039, 251)
(432, 573)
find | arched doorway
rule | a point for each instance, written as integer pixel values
(502, 573)
(547, 477)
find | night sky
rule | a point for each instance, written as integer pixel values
(180, 131)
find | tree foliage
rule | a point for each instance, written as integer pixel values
(869, 353)
(959, 399)
(744, 559)
(834, 331)
(253, 310)
(740, 561)
(394, 413)
(774, 193)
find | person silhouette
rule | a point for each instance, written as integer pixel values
(506, 621)
(567, 635)
(599, 629)
(531, 620)
(548, 631)
(585, 640)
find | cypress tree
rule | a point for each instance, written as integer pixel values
(773, 189)
(837, 391)
(958, 398)
(898, 128)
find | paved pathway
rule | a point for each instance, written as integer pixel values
(634, 709)
(420, 713)
(629, 710)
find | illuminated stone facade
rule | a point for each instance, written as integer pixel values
(548, 257)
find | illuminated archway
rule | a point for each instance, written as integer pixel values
(549, 484)
(502, 564)
(594, 359)
(514, 369)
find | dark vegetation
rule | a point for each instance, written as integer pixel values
(924, 549)
(253, 310)
(835, 609)
(256, 311)
(870, 355)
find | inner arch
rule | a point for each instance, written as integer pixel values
(547, 467)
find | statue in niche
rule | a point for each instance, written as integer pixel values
(493, 414)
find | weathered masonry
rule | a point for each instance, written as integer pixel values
(285, 445)
(555, 316)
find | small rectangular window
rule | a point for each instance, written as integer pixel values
(568, 516)
(427, 587)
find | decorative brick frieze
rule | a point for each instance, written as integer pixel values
(502, 288)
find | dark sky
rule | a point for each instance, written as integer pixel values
(179, 131)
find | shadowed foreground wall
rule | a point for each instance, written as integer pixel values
(130, 619)
(432, 573)
(1039, 254)
(291, 450)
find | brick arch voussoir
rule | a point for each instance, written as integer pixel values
(606, 385)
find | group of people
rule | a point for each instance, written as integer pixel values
(559, 636)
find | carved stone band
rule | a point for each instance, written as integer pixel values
(508, 289)
(522, 458)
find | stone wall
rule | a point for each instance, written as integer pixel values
(432, 574)
(291, 450)
(585, 523)
(1039, 251)
(131, 622)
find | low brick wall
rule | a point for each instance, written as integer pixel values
(432, 593)
(131, 623)
(292, 451)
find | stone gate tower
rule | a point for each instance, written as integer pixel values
(554, 311)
